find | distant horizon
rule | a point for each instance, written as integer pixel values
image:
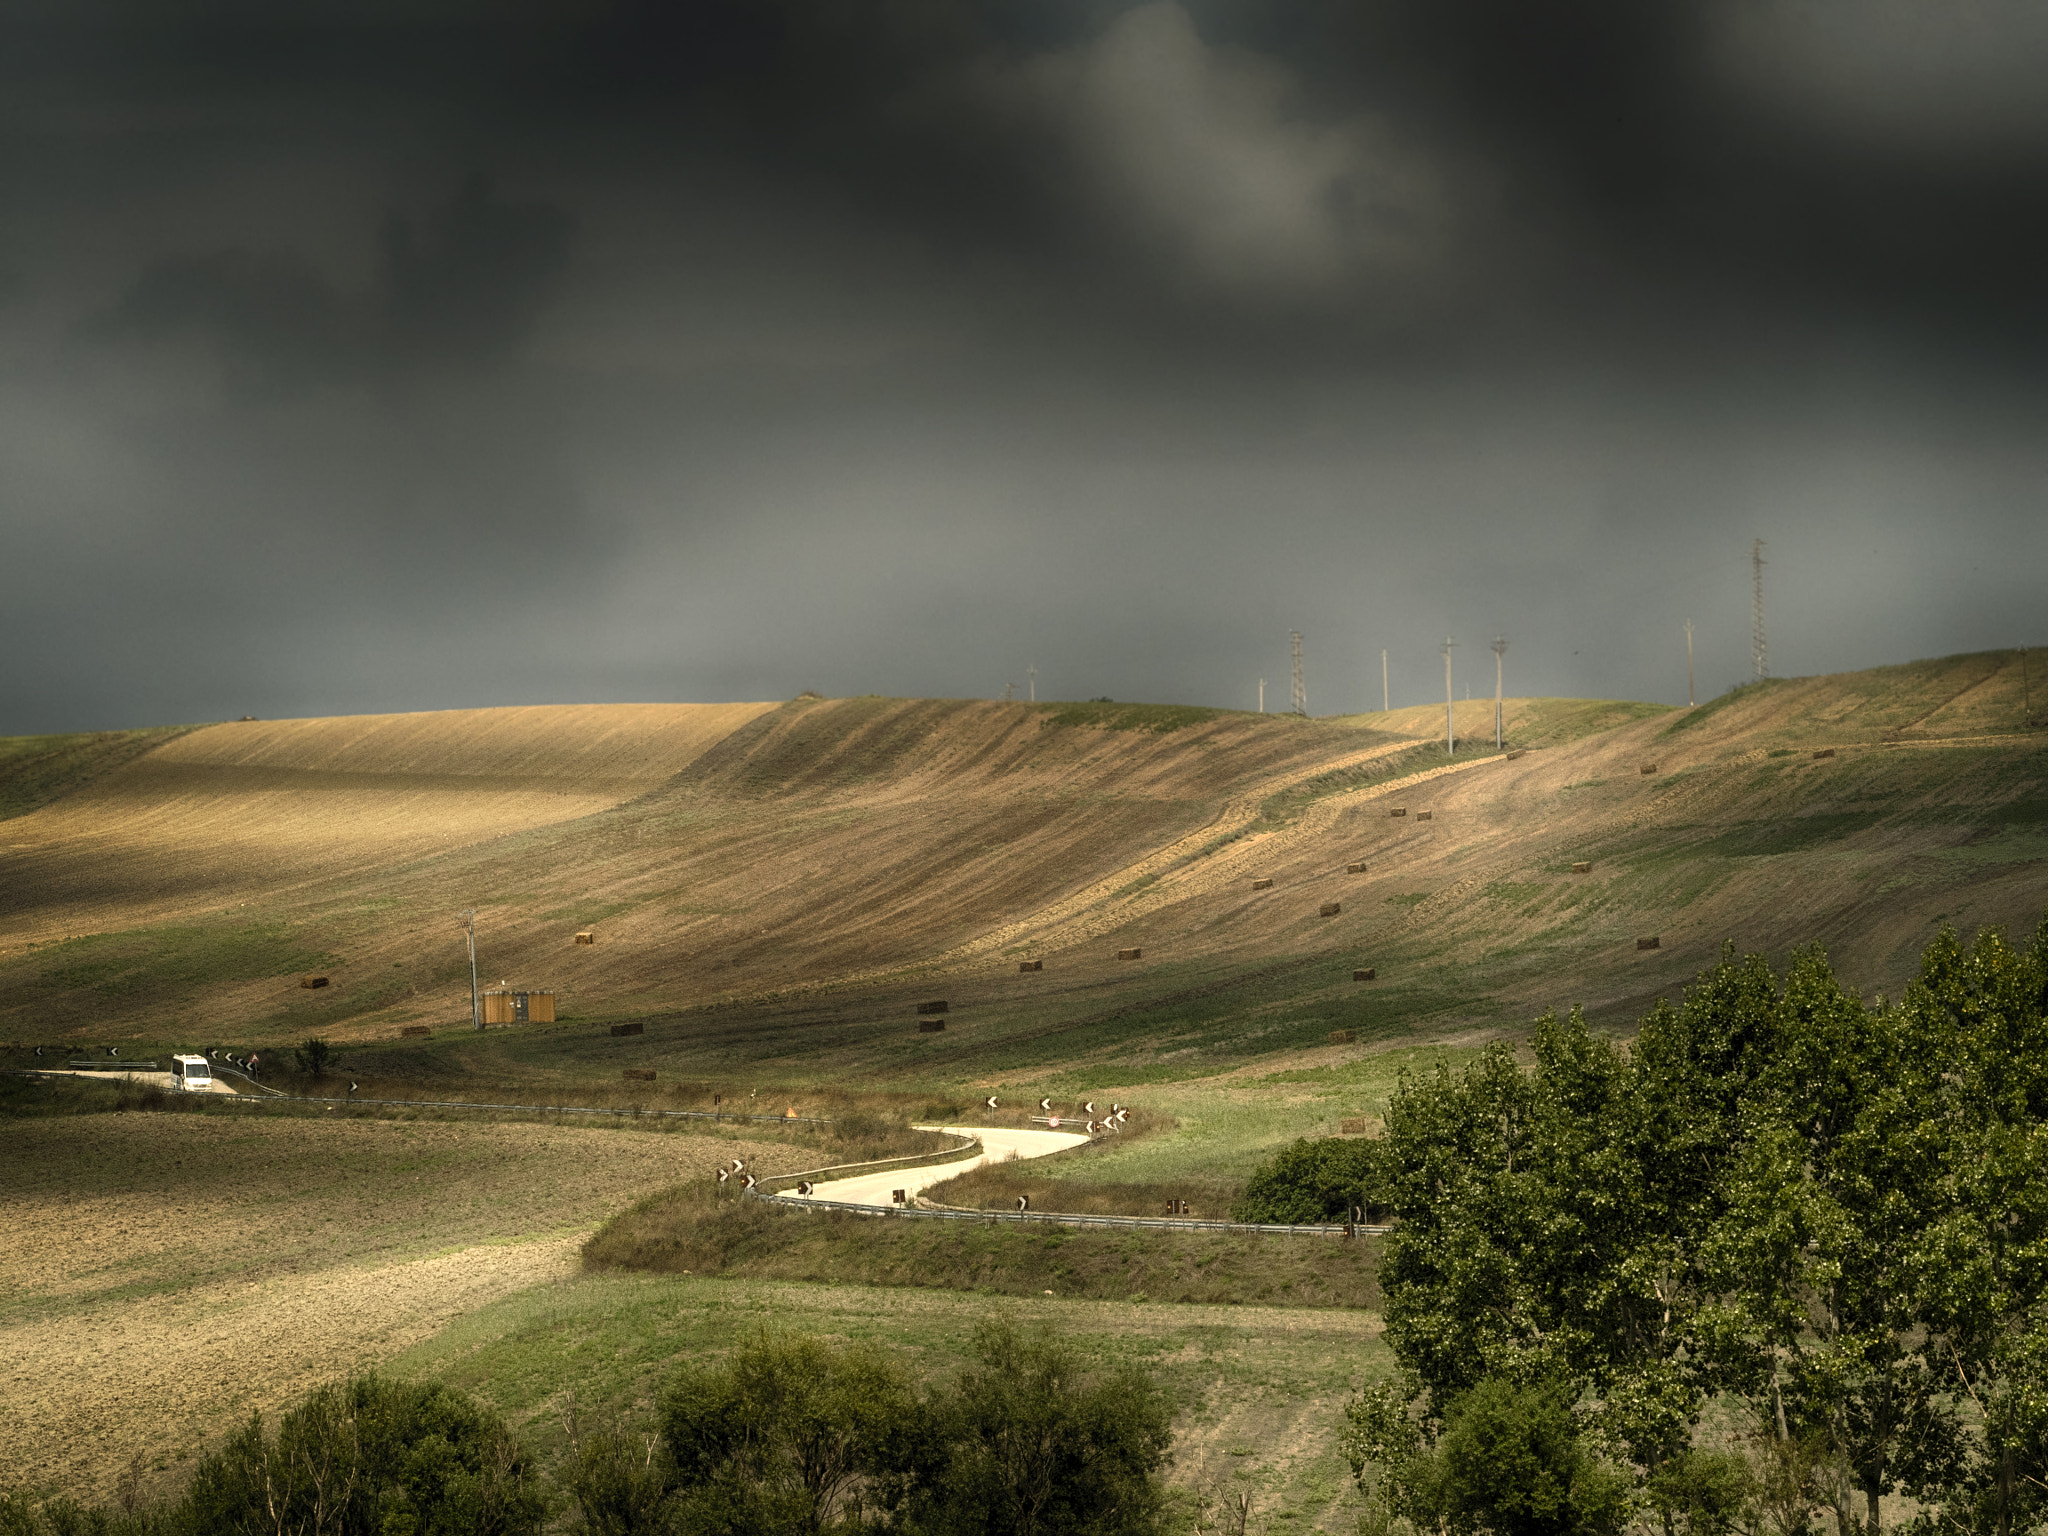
(1474, 699)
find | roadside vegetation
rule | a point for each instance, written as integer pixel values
(702, 1228)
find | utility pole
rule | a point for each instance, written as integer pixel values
(1032, 673)
(1009, 692)
(1384, 705)
(1262, 695)
(476, 1015)
(2026, 691)
(1759, 651)
(1688, 663)
(1500, 651)
(1450, 736)
(1300, 704)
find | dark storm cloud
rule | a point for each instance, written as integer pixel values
(407, 354)
(465, 289)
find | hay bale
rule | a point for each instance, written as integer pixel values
(1354, 869)
(1262, 885)
(1343, 1037)
(1649, 768)
(628, 1029)
(312, 981)
(416, 1031)
(586, 937)
(1130, 954)
(1823, 752)
(1354, 1125)
(1330, 909)
(1585, 867)
(931, 1026)
(1368, 973)
(639, 1074)
(938, 1007)
(1398, 811)
(1516, 753)
(1649, 943)
(1424, 815)
(1030, 965)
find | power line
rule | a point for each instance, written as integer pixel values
(1500, 651)
(1759, 650)
(1450, 738)
(476, 1017)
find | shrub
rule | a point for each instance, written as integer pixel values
(1038, 1446)
(1311, 1181)
(313, 1057)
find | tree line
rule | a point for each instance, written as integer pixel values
(786, 1436)
(1780, 1256)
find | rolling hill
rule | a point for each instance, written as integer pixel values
(779, 881)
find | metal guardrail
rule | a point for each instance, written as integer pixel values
(1065, 1219)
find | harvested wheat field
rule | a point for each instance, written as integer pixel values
(240, 811)
(859, 848)
(165, 1275)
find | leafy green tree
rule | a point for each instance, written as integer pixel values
(1041, 1447)
(1311, 1181)
(372, 1457)
(1507, 1460)
(313, 1057)
(789, 1435)
(1833, 1212)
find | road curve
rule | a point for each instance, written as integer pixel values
(997, 1144)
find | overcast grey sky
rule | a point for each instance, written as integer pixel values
(365, 356)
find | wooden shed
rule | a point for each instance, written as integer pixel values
(509, 1007)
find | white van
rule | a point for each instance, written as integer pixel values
(190, 1073)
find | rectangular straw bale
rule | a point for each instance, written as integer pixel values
(931, 1026)
(1030, 965)
(639, 1074)
(1823, 752)
(1649, 768)
(1398, 811)
(1424, 815)
(1354, 869)
(1343, 1036)
(1262, 885)
(1583, 868)
(415, 1030)
(635, 1028)
(937, 1007)
(1516, 753)
(586, 937)
(1130, 954)
(1354, 1125)
(309, 982)
(1330, 909)
(1368, 973)
(1649, 943)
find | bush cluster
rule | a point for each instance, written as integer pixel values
(786, 1437)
